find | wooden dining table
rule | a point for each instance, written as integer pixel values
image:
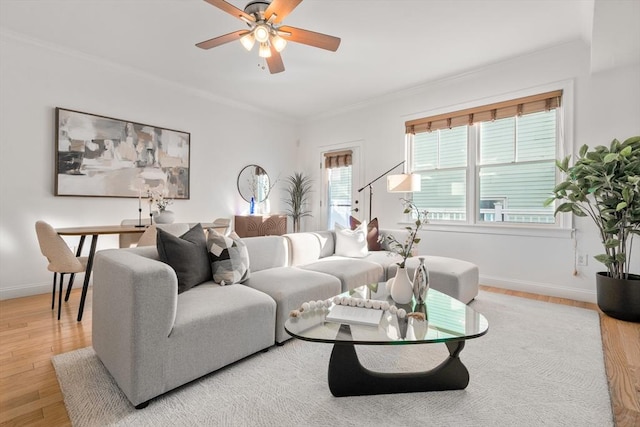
(94, 231)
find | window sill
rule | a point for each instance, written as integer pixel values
(505, 230)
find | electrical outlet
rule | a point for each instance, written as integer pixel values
(582, 259)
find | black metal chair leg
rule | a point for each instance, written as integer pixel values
(73, 275)
(69, 286)
(60, 295)
(53, 292)
(87, 275)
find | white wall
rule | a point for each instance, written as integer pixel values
(35, 78)
(605, 105)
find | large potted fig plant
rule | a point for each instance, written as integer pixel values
(604, 184)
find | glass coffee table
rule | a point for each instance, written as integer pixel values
(447, 321)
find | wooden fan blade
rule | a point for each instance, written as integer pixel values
(311, 38)
(274, 62)
(281, 8)
(217, 41)
(230, 9)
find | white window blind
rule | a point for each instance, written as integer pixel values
(496, 166)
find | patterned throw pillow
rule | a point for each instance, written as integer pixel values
(229, 258)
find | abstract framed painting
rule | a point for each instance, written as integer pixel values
(105, 157)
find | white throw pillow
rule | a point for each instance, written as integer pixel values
(352, 243)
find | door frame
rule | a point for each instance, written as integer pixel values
(356, 176)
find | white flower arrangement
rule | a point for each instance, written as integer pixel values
(158, 198)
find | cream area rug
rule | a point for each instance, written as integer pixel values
(539, 364)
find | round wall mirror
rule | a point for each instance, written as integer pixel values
(253, 181)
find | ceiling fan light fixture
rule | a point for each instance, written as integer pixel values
(278, 43)
(264, 26)
(264, 51)
(248, 41)
(261, 33)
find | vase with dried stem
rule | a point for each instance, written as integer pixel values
(401, 286)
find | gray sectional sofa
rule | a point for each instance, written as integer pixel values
(152, 339)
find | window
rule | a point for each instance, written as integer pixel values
(491, 164)
(440, 158)
(339, 178)
(517, 167)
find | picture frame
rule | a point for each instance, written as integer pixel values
(100, 156)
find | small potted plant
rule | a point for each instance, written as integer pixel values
(604, 184)
(298, 189)
(406, 249)
(401, 288)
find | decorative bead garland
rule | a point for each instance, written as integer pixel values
(349, 301)
(310, 306)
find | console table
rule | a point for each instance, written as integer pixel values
(94, 232)
(260, 225)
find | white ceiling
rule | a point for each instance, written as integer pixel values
(387, 45)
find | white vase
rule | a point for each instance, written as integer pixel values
(402, 288)
(164, 217)
(388, 285)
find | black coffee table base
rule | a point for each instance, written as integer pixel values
(347, 377)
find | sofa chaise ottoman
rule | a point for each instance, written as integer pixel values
(454, 277)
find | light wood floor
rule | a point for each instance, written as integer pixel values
(30, 335)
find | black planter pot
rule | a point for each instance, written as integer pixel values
(619, 298)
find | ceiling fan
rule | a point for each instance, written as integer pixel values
(264, 19)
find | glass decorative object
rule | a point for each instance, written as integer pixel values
(421, 282)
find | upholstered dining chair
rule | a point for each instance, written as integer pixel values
(61, 260)
(222, 225)
(148, 238)
(129, 240)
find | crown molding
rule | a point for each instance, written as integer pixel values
(62, 50)
(426, 85)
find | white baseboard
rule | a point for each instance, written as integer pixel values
(540, 288)
(25, 291)
(36, 289)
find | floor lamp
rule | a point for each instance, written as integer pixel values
(401, 183)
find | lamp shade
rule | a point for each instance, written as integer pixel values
(278, 43)
(248, 41)
(403, 183)
(264, 51)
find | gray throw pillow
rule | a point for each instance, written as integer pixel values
(187, 255)
(229, 258)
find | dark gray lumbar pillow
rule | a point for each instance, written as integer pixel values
(187, 255)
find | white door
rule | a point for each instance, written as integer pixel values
(340, 180)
